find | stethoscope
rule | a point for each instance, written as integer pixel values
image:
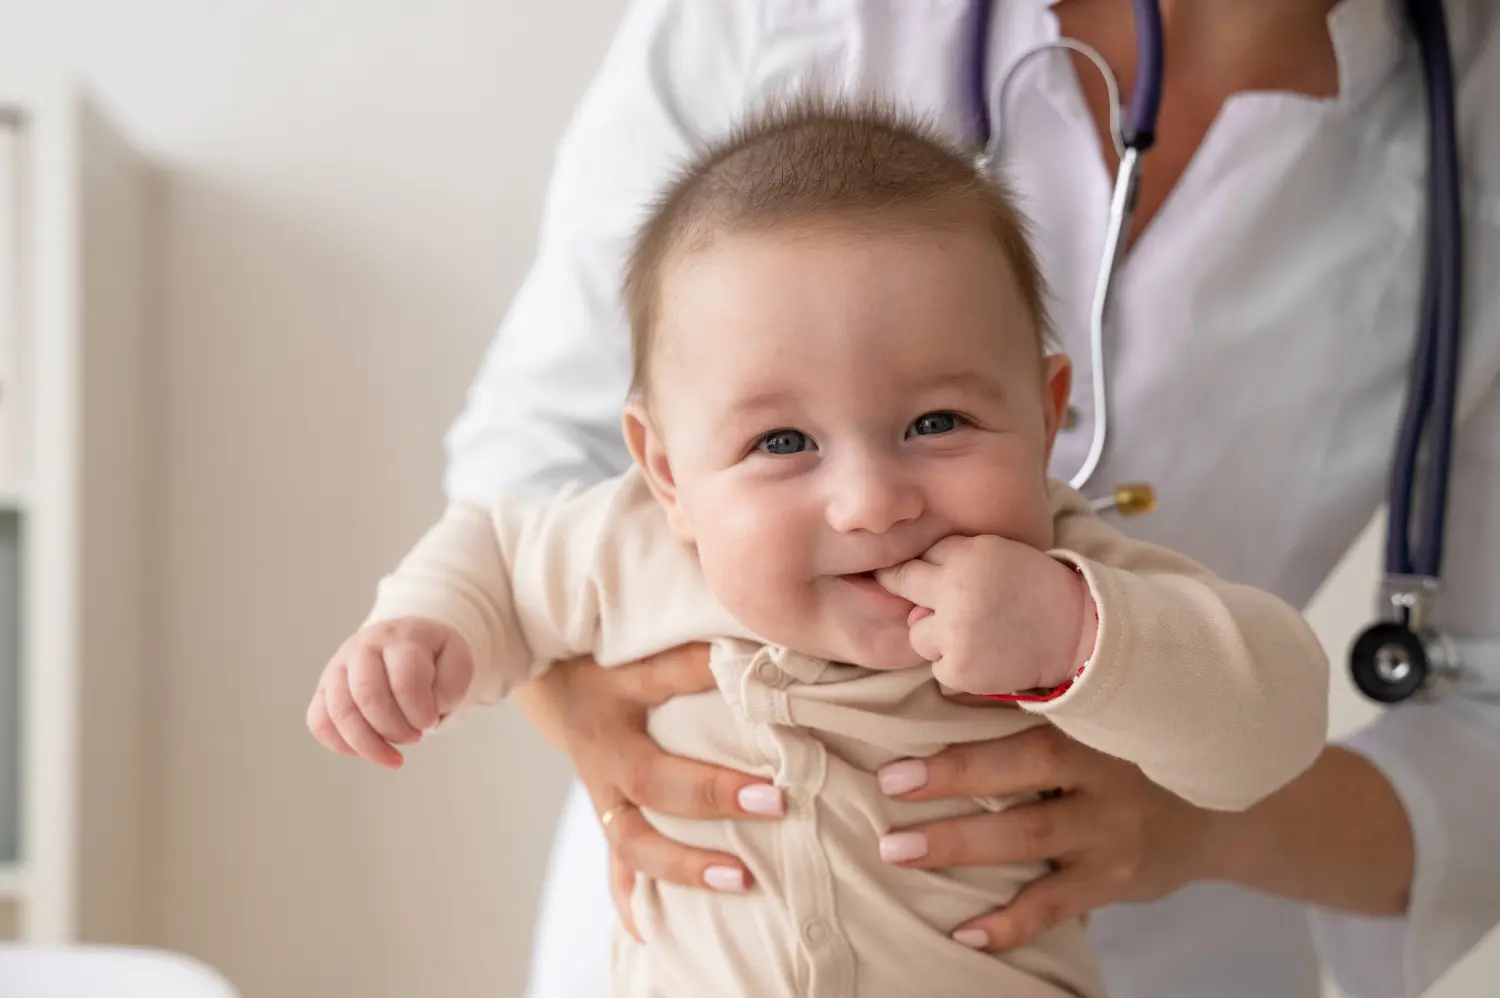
(1400, 655)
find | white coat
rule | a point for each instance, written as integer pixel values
(1260, 342)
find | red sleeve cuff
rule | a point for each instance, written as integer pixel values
(1039, 696)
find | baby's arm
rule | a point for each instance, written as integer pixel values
(1219, 692)
(515, 581)
(486, 598)
(490, 596)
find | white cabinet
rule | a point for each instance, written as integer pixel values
(74, 465)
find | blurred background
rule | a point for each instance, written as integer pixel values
(344, 197)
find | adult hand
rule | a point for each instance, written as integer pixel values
(1110, 833)
(599, 718)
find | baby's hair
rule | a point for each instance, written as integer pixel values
(816, 159)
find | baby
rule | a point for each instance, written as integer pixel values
(842, 413)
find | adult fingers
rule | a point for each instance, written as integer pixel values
(370, 686)
(1027, 833)
(1039, 758)
(352, 726)
(1041, 906)
(686, 788)
(655, 680)
(616, 757)
(645, 850)
(621, 884)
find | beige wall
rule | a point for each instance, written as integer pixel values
(350, 191)
(349, 198)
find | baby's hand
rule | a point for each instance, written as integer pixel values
(994, 615)
(386, 685)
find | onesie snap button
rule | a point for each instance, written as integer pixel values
(815, 932)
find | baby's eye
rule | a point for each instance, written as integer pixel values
(932, 424)
(782, 442)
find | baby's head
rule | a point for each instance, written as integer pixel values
(840, 359)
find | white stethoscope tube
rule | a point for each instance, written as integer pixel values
(1133, 498)
(1121, 208)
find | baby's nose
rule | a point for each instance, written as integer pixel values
(873, 497)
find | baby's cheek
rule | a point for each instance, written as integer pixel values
(759, 590)
(1012, 505)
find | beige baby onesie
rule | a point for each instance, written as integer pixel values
(1217, 691)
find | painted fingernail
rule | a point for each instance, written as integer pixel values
(902, 846)
(762, 798)
(901, 777)
(725, 878)
(972, 938)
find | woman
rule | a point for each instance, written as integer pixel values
(1260, 335)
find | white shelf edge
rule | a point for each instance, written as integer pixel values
(12, 882)
(14, 497)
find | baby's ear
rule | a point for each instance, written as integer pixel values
(1057, 383)
(650, 454)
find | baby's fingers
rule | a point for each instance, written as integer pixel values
(370, 686)
(323, 728)
(454, 673)
(412, 676)
(351, 724)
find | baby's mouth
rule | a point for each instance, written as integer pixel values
(864, 580)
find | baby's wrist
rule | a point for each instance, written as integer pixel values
(1086, 629)
(1053, 683)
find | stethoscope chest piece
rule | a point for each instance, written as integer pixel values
(1400, 658)
(1389, 662)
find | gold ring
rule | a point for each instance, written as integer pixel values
(612, 814)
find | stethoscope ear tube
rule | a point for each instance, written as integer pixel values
(1400, 656)
(1134, 132)
(1426, 431)
(1145, 97)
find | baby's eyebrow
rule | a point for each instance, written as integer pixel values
(755, 404)
(968, 381)
(760, 400)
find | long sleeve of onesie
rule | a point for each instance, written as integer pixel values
(1218, 691)
(529, 581)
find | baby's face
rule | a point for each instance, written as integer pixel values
(827, 403)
